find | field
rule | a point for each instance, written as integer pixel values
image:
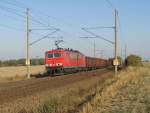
(146, 63)
(18, 72)
(127, 93)
(97, 91)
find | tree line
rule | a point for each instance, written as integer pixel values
(21, 62)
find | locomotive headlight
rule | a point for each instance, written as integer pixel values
(46, 65)
(59, 64)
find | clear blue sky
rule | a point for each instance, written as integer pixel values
(70, 16)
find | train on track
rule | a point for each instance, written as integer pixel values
(67, 60)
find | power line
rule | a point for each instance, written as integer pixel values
(54, 18)
(43, 37)
(11, 17)
(38, 34)
(99, 27)
(10, 27)
(97, 36)
(70, 35)
(43, 24)
(41, 29)
(61, 21)
(13, 4)
(9, 10)
(14, 11)
(35, 20)
(110, 4)
(46, 15)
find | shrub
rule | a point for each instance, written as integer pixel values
(133, 60)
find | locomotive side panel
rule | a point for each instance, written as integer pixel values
(73, 59)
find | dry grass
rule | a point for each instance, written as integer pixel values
(72, 98)
(17, 73)
(146, 63)
(127, 93)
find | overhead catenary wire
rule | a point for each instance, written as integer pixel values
(15, 11)
(10, 27)
(66, 33)
(43, 37)
(16, 4)
(61, 21)
(110, 4)
(9, 10)
(12, 9)
(97, 36)
(99, 27)
(35, 20)
(43, 24)
(10, 17)
(53, 18)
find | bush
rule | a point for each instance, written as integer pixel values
(133, 60)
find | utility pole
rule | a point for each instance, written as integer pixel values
(116, 43)
(27, 45)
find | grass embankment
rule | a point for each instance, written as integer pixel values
(127, 93)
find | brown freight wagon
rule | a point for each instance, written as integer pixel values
(94, 63)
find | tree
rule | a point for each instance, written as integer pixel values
(41, 61)
(21, 62)
(133, 60)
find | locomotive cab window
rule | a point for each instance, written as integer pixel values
(57, 54)
(50, 55)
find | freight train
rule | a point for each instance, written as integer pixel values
(68, 60)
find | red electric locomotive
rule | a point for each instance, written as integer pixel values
(64, 60)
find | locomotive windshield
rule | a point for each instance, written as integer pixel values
(57, 54)
(50, 55)
(53, 55)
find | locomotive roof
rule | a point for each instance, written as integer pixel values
(61, 49)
